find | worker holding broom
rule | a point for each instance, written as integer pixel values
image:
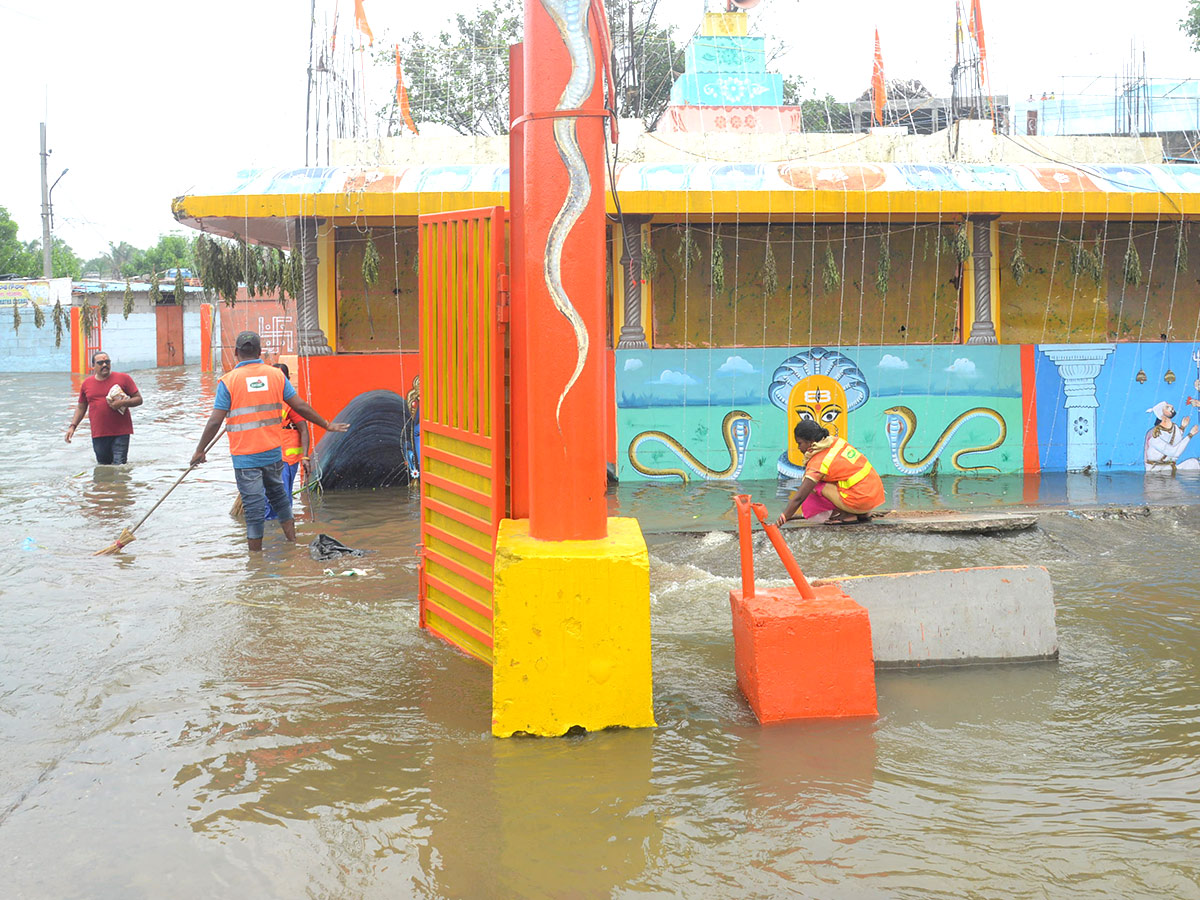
(250, 400)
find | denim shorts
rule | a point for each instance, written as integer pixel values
(112, 450)
(256, 485)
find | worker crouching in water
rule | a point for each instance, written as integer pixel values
(837, 479)
(250, 400)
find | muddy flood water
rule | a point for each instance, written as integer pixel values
(184, 721)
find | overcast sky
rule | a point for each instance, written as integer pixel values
(145, 100)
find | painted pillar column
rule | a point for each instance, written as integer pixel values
(206, 317)
(564, 247)
(983, 330)
(633, 334)
(1079, 364)
(308, 325)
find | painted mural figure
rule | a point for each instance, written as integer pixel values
(839, 482)
(817, 385)
(1166, 441)
(412, 448)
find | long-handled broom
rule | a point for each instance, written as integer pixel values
(127, 537)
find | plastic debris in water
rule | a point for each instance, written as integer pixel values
(348, 573)
(29, 544)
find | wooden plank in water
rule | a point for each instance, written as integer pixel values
(929, 521)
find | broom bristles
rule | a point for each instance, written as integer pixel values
(125, 539)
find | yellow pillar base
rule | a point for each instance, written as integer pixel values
(571, 632)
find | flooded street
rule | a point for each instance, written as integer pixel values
(183, 720)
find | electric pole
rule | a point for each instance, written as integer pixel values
(47, 267)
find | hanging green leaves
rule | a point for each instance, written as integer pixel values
(770, 271)
(1087, 262)
(294, 267)
(1181, 259)
(960, 243)
(16, 317)
(39, 316)
(688, 253)
(61, 320)
(155, 290)
(649, 259)
(718, 262)
(103, 307)
(128, 307)
(180, 287)
(87, 319)
(831, 276)
(1133, 266)
(883, 266)
(1018, 264)
(370, 262)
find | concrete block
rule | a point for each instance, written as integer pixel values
(958, 616)
(803, 659)
(571, 632)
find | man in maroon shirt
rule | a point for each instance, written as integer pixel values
(107, 410)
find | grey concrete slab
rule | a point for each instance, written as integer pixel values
(958, 616)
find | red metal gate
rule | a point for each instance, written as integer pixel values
(463, 308)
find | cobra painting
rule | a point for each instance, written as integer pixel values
(735, 429)
(571, 19)
(902, 424)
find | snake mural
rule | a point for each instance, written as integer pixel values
(820, 384)
(571, 19)
(735, 429)
(902, 423)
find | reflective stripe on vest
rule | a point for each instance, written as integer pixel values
(253, 425)
(839, 447)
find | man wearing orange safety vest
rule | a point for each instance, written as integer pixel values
(250, 400)
(842, 479)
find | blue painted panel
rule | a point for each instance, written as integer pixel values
(715, 89)
(726, 54)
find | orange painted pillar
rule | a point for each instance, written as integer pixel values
(78, 344)
(206, 363)
(518, 375)
(564, 290)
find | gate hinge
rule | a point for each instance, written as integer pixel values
(502, 296)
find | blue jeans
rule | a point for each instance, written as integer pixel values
(289, 480)
(112, 450)
(256, 485)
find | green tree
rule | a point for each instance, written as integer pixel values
(15, 258)
(1190, 23)
(459, 78)
(63, 261)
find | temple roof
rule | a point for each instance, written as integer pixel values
(778, 190)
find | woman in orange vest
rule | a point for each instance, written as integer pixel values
(836, 473)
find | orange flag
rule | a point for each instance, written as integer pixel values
(402, 96)
(360, 19)
(878, 87)
(975, 27)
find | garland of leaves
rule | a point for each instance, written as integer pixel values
(87, 320)
(649, 259)
(1087, 262)
(39, 315)
(770, 271)
(103, 307)
(688, 253)
(16, 317)
(180, 287)
(883, 267)
(718, 262)
(960, 243)
(61, 322)
(831, 276)
(1018, 264)
(370, 262)
(1133, 266)
(155, 291)
(223, 266)
(128, 306)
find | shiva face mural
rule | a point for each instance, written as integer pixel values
(820, 385)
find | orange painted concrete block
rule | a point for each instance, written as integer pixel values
(803, 659)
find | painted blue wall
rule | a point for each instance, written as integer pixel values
(31, 349)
